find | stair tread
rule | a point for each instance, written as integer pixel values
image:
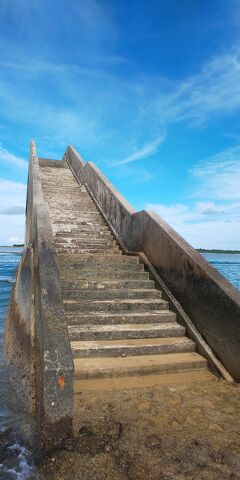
(117, 300)
(130, 314)
(107, 363)
(135, 342)
(92, 265)
(125, 327)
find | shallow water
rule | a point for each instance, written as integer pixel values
(228, 264)
(15, 460)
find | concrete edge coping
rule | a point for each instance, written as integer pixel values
(195, 256)
(220, 281)
(46, 240)
(84, 165)
(214, 363)
(192, 254)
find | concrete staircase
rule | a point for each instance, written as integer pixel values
(118, 323)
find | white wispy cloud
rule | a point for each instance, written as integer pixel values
(147, 150)
(13, 210)
(213, 222)
(204, 224)
(17, 188)
(197, 212)
(218, 176)
(10, 158)
(214, 90)
(12, 216)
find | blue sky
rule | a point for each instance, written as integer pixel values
(149, 91)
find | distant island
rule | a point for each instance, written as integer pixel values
(16, 245)
(204, 250)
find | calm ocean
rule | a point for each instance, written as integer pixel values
(15, 460)
(20, 464)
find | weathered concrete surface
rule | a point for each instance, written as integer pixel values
(19, 338)
(106, 286)
(173, 430)
(53, 352)
(211, 302)
(37, 344)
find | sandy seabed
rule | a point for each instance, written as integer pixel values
(182, 428)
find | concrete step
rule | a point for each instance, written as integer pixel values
(137, 365)
(78, 220)
(74, 209)
(79, 234)
(117, 332)
(102, 276)
(108, 385)
(135, 346)
(78, 250)
(95, 259)
(86, 208)
(74, 220)
(128, 305)
(59, 221)
(53, 191)
(53, 197)
(74, 217)
(96, 237)
(110, 318)
(71, 211)
(102, 294)
(85, 230)
(96, 242)
(102, 267)
(106, 285)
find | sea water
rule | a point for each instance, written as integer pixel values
(228, 265)
(15, 459)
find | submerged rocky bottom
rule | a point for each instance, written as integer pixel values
(16, 460)
(188, 428)
(166, 432)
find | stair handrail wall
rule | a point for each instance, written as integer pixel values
(212, 303)
(54, 373)
(52, 382)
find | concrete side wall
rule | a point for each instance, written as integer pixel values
(54, 373)
(211, 302)
(46, 162)
(38, 349)
(19, 338)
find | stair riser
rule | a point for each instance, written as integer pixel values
(110, 295)
(176, 331)
(118, 284)
(141, 370)
(78, 222)
(78, 250)
(101, 276)
(71, 213)
(96, 260)
(81, 242)
(83, 229)
(102, 268)
(76, 206)
(113, 307)
(130, 351)
(84, 319)
(83, 235)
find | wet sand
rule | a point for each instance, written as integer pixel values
(173, 429)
